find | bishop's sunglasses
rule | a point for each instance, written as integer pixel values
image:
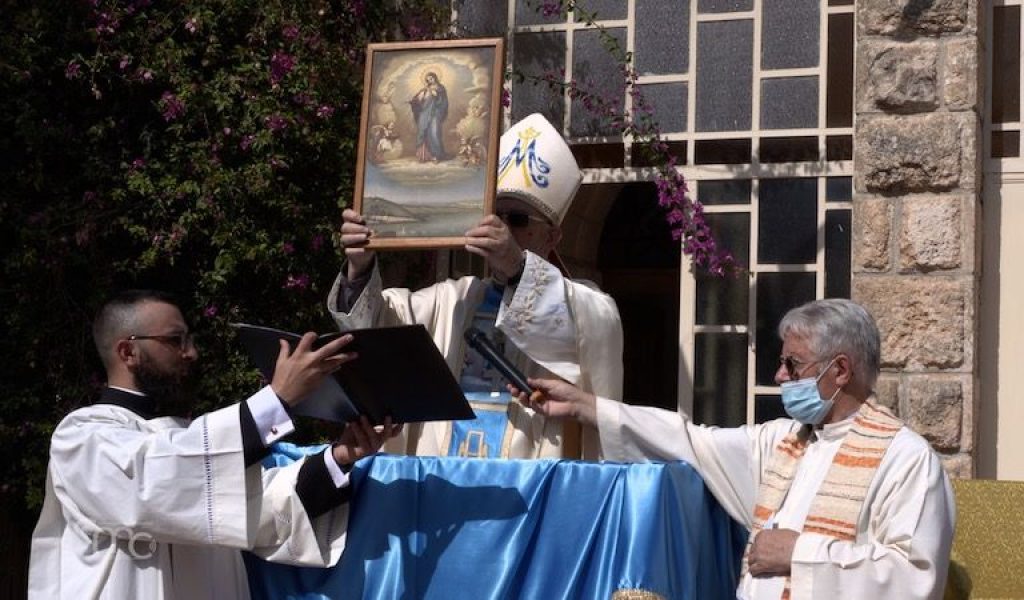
(518, 218)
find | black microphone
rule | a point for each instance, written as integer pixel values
(480, 342)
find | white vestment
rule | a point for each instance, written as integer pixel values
(159, 509)
(557, 326)
(904, 530)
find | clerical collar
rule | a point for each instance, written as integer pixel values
(138, 403)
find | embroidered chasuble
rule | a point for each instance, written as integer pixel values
(547, 326)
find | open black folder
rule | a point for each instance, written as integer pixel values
(399, 372)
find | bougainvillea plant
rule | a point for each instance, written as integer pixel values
(205, 148)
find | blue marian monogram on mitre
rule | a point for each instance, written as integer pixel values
(530, 163)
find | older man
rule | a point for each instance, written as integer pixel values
(144, 503)
(543, 322)
(843, 500)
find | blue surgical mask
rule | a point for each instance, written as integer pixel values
(803, 401)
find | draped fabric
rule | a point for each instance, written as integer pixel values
(459, 528)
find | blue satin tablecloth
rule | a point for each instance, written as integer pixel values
(476, 528)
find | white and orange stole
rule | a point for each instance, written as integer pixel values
(836, 506)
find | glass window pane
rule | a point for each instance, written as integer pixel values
(777, 293)
(768, 407)
(789, 103)
(536, 54)
(790, 33)
(727, 191)
(721, 152)
(789, 149)
(479, 19)
(605, 10)
(720, 6)
(724, 300)
(1006, 62)
(724, 75)
(839, 86)
(1005, 144)
(599, 156)
(528, 12)
(596, 69)
(839, 147)
(664, 46)
(787, 221)
(837, 253)
(643, 157)
(839, 189)
(720, 379)
(667, 102)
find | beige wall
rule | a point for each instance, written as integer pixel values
(1000, 442)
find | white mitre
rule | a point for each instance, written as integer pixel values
(536, 166)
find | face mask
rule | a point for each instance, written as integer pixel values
(802, 400)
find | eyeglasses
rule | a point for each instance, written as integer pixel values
(518, 219)
(794, 366)
(184, 341)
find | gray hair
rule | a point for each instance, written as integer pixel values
(119, 318)
(837, 325)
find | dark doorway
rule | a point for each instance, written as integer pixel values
(639, 264)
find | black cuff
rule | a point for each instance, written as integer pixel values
(253, 447)
(316, 489)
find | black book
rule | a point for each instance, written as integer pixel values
(399, 372)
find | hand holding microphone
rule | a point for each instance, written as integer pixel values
(479, 341)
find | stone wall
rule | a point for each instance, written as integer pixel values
(916, 210)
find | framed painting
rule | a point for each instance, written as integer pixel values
(428, 140)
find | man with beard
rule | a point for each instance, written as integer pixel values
(144, 503)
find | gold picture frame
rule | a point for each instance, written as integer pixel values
(428, 140)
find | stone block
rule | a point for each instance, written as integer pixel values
(931, 233)
(887, 393)
(958, 466)
(872, 230)
(925, 322)
(896, 77)
(934, 408)
(911, 18)
(960, 74)
(910, 154)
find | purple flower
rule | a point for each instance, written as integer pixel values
(297, 282)
(290, 32)
(72, 70)
(506, 98)
(325, 112)
(288, 248)
(191, 24)
(172, 106)
(551, 8)
(280, 65)
(318, 242)
(138, 163)
(124, 62)
(210, 311)
(247, 142)
(276, 122)
(88, 197)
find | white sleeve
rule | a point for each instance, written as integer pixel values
(272, 421)
(729, 459)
